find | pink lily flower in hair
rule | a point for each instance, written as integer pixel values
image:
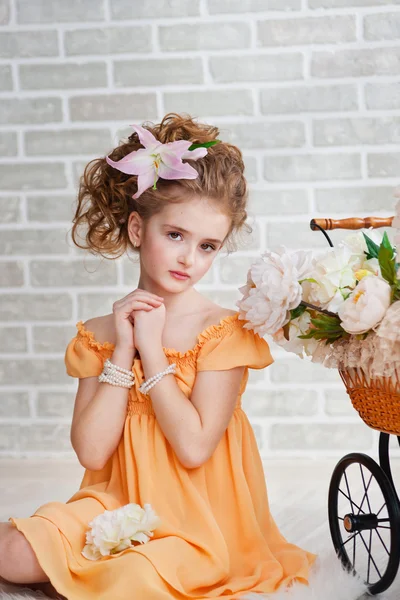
(157, 160)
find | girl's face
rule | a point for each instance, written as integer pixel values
(183, 237)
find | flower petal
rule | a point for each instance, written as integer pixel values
(176, 148)
(134, 163)
(145, 181)
(146, 138)
(184, 172)
(194, 154)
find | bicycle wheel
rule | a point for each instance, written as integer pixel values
(364, 520)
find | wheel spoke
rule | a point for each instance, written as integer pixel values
(350, 538)
(366, 489)
(348, 491)
(383, 527)
(351, 501)
(383, 506)
(383, 543)
(354, 551)
(373, 562)
(369, 554)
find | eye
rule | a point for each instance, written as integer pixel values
(174, 233)
(208, 245)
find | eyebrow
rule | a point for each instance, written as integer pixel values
(167, 226)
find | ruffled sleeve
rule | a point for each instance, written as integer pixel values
(230, 345)
(84, 356)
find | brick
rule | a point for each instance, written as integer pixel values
(384, 165)
(312, 167)
(204, 36)
(33, 241)
(39, 307)
(278, 202)
(14, 404)
(6, 82)
(294, 235)
(338, 404)
(4, 12)
(301, 371)
(28, 44)
(61, 76)
(320, 436)
(280, 403)
(49, 273)
(240, 6)
(57, 11)
(356, 63)
(20, 111)
(357, 199)
(10, 209)
(251, 169)
(8, 143)
(212, 102)
(45, 438)
(385, 26)
(9, 437)
(253, 240)
(50, 338)
(67, 141)
(148, 9)
(258, 67)
(97, 304)
(105, 107)
(158, 72)
(347, 132)
(55, 404)
(28, 176)
(310, 98)
(384, 96)
(107, 40)
(233, 269)
(46, 209)
(34, 371)
(264, 134)
(11, 273)
(346, 3)
(13, 340)
(313, 30)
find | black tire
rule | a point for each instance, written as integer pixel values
(356, 523)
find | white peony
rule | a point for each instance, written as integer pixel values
(298, 326)
(273, 289)
(334, 278)
(114, 530)
(366, 305)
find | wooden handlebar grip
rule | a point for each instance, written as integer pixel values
(353, 223)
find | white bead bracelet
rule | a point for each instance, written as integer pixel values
(152, 381)
(116, 375)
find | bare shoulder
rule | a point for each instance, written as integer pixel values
(102, 328)
(216, 313)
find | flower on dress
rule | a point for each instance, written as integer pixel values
(273, 289)
(115, 530)
(157, 160)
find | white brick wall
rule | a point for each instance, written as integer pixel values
(309, 89)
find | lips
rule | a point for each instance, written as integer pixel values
(180, 273)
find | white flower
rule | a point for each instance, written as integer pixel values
(115, 530)
(366, 305)
(298, 326)
(334, 277)
(273, 289)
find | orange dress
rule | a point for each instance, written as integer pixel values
(217, 537)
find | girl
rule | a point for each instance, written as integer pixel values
(180, 442)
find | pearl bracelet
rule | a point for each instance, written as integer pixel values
(152, 381)
(116, 375)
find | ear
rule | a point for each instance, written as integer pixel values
(135, 228)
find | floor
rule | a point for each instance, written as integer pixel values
(298, 495)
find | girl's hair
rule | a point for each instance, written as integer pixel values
(105, 200)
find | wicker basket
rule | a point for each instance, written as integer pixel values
(376, 400)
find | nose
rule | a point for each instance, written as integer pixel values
(187, 257)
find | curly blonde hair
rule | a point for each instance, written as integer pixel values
(105, 201)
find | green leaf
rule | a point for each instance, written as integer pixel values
(373, 249)
(204, 145)
(308, 279)
(386, 263)
(386, 244)
(297, 312)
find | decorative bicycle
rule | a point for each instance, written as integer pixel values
(363, 505)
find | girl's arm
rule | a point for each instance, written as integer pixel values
(193, 427)
(99, 415)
